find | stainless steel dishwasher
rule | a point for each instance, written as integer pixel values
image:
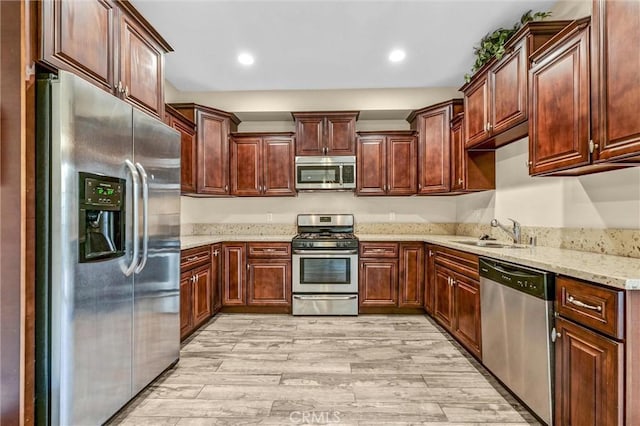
(516, 305)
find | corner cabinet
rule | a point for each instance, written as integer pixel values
(391, 277)
(196, 285)
(496, 98)
(117, 50)
(212, 152)
(470, 170)
(325, 133)
(434, 145)
(262, 164)
(386, 163)
(188, 148)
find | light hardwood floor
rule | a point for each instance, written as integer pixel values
(243, 369)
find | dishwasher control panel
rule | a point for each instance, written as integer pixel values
(528, 280)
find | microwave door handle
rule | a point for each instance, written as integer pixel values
(340, 172)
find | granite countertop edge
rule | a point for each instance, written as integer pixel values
(615, 271)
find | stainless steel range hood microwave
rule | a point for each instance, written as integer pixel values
(325, 173)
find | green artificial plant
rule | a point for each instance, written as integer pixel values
(492, 45)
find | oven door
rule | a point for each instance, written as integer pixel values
(325, 271)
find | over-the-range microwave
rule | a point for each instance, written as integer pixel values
(321, 173)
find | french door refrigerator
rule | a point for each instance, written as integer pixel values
(107, 279)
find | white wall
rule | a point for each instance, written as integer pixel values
(602, 200)
(284, 210)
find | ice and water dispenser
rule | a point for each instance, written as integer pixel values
(102, 217)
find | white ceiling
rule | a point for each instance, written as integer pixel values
(324, 44)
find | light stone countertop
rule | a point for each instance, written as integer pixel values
(615, 271)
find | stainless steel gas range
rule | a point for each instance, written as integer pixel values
(325, 265)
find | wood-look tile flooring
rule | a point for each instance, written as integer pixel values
(243, 369)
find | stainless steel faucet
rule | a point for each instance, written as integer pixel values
(514, 233)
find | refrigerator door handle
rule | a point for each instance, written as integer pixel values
(145, 218)
(134, 241)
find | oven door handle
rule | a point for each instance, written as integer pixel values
(324, 253)
(324, 297)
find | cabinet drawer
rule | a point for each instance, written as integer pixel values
(458, 261)
(378, 249)
(597, 307)
(191, 258)
(269, 249)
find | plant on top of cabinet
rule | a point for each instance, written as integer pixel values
(118, 50)
(262, 164)
(495, 98)
(212, 154)
(325, 133)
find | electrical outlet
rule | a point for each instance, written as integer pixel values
(270, 217)
(392, 216)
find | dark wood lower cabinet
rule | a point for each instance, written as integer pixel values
(589, 381)
(452, 297)
(234, 257)
(378, 283)
(201, 295)
(216, 287)
(391, 277)
(186, 316)
(269, 282)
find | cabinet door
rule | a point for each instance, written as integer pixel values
(476, 110)
(216, 284)
(371, 166)
(615, 80)
(457, 155)
(411, 278)
(278, 167)
(466, 324)
(310, 135)
(402, 162)
(213, 155)
(443, 296)
(589, 377)
(201, 295)
(340, 136)
(429, 282)
(188, 154)
(434, 151)
(508, 91)
(559, 113)
(233, 272)
(186, 302)
(378, 283)
(78, 37)
(269, 282)
(141, 67)
(246, 166)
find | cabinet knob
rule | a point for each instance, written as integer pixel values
(488, 128)
(226, 188)
(119, 87)
(460, 181)
(419, 186)
(384, 187)
(126, 91)
(248, 266)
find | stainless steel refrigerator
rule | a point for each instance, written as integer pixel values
(108, 219)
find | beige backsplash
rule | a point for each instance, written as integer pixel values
(619, 242)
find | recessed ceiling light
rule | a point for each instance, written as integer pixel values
(246, 59)
(397, 55)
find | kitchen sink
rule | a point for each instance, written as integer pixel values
(488, 244)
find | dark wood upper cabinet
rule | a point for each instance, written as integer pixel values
(188, 148)
(615, 81)
(560, 115)
(109, 44)
(496, 98)
(212, 159)
(325, 133)
(141, 66)
(470, 170)
(434, 145)
(386, 163)
(262, 164)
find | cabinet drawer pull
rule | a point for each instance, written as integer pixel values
(192, 258)
(577, 302)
